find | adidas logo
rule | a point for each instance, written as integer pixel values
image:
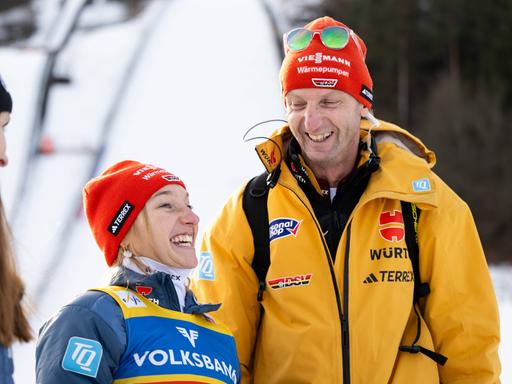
(370, 279)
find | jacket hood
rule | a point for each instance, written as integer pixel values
(271, 151)
(391, 133)
(405, 162)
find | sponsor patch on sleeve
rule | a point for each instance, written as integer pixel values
(421, 185)
(82, 356)
(206, 269)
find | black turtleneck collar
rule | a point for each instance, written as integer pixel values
(332, 216)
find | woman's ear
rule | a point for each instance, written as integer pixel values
(125, 251)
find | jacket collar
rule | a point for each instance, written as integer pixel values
(405, 163)
(159, 288)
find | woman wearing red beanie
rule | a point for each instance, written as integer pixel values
(146, 327)
(13, 320)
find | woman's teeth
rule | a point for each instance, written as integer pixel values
(182, 240)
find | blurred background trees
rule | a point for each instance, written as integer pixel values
(443, 70)
(17, 20)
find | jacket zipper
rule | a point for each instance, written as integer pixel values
(345, 352)
(346, 344)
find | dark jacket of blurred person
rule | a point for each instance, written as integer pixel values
(14, 324)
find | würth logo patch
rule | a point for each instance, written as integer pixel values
(120, 218)
(269, 158)
(391, 226)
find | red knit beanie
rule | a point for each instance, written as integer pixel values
(320, 67)
(113, 200)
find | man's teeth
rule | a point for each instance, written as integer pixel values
(182, 240)
(319, 138)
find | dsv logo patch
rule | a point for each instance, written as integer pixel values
(290, 281)
(282, 227)
(327, 83)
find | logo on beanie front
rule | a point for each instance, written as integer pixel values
(171, 178)
(120, 218)
(319, 58)
(325, 83)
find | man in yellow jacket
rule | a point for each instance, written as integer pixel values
(339, 302)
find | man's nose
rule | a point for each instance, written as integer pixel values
(312, 118)
(4, 160)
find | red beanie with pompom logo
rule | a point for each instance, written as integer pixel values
(113, 200)
(317, 66)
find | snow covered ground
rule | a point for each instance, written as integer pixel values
(177, 87)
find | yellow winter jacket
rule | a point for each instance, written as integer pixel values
(370, 284)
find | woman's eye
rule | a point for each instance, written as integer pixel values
(167, 205)
(190, 207)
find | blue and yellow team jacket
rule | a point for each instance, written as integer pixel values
(166, 346)
(120, 335)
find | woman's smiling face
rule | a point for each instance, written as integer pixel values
(165, 230)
